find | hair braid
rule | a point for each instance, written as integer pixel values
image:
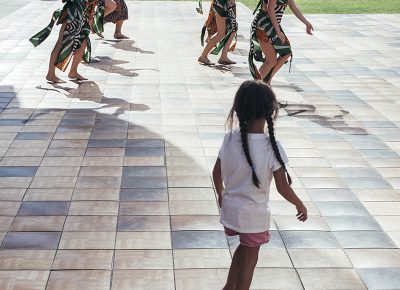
(270, 123)
(245, 144)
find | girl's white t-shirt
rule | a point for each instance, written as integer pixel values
(245, 206)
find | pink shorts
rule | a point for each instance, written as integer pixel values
(250, 240)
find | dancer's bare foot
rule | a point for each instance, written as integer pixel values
(226, 61)
(76, 76)
(205, 61)
(54, 79)
(120, 36)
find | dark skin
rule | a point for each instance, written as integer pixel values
(245, 258)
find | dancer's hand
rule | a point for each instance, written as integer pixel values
(281, 36)
(309, 28)
(301, 212)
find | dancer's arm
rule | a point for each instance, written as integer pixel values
(271, 13)
(296, 11)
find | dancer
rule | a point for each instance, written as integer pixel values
(222, 27)
(117, 16)
(73, 40)
(247, 161)
(267, 37)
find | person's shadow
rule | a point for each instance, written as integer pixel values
(126, 45)
(107, 64)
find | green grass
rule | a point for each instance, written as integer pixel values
(342, 6)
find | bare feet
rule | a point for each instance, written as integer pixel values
(76, 76)
(226, 61)
(120, 36)
(54, 79)
(205, 61)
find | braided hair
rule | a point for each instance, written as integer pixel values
(255, 100)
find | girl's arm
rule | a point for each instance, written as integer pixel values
(287, 192)
(271, 13)
(217, 177)
(296, 11)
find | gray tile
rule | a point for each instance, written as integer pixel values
(352, 223)
(13, 122)
(144, 223)
(334, 194)
(381, 278)
(364, 183)
(104, 143)
(144, 152)
(145, 143)
(355, 172)
(31, 240)
(309, 239)
(144, 182)
(18, 171)
(338, 208)
(143, 194)
(43, 208)
(34, 136)
(199, 240)
(364, 240)
(144, 171)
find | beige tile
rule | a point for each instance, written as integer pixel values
(144, 161)
(26, 259)
(192, 222)
(62, 161)
(83, 260)
(201, 258)
(67, 171)
(143, 259)
(23, 280)
(48, 194)
(93, 208)
(374, 258)
(330, 279)
(143, 240)
(143, 279)
(79, 279)
(87, 240)
(291, 223)
(377, 194)
(65, 152)
(193, 279)
(12, 194)
(15, 182)
(38, 223)
(103, 161)
(98, 182)
(319, 258)
(91, 224)
(9, 208)
(100, 152)
(144, 208)
(395, 236)
(101, 171)
(273, 258)
(21, 161)
(389, 223)
(176, 194)
(199, 207)
(383, 208)
(53, 182)
(22, 152)
(96, 194)
(275, 278)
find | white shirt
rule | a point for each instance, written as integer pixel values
(245, 206)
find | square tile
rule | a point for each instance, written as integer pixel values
(364, 239)
(339, 208)
(142, 279)
(291, 223)
(43, 208)
(275, 278)
(143, 240)
(199, 239)
(374, 258)
(26, 259)
(143, 259)
(201, 258)
(79, 279)
(144, 223)
(87, 240)
(309, 240)
(91, 224)
(24, 280)
(388, 278)
(192, 222)
(31, 240)
(199, 207)
(319, 258)
(194, 278)
(144, 194)
(143, 208)
(352, 223)
(38, 224)
(93, 208)
(83, 260)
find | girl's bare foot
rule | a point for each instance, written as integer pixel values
(76, 76)
(205, 61)
(120, 36)
(54, 79)
(226, 61)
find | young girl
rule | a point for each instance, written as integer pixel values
(222, 26)
(267, 33)
(117, 15)
(73, 40)
(247, 161)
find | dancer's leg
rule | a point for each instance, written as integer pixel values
(51, 74)
(270, 58)
(224, 54)
(280, 62)
(110, 6)
(233, 271)
(248, 261)
(118, 34)
(221, 26)
(78, 55)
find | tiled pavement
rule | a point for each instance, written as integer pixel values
(107, 185)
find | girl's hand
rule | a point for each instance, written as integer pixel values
(301, 213)
(281, 36)
(309, 28)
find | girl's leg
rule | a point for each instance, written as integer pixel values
(73, 73)
(221, 26)
(51, 74)
(281, 61)
(110, 6)
(248, 261)
(270, 58)
(233, 270)
(224, 54)
(118, 34)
